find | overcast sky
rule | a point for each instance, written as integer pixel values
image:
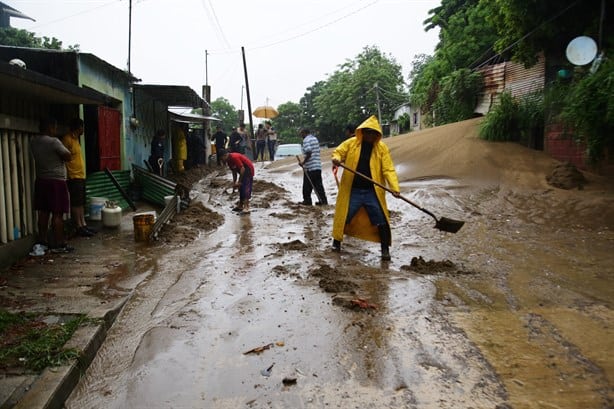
(289, 44)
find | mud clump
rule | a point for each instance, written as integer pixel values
(566, 176)
(331, 285)
(421, 266)
(294, 245)
(187, 225)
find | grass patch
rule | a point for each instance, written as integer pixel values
(28, 342)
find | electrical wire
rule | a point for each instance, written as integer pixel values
(302, 34)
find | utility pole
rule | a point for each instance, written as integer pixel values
(129, 33)
(206, 67)
(249, 101)
(379, 110)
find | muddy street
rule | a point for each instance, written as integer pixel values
(255, 311)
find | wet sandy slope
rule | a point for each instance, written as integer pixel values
(515, 310)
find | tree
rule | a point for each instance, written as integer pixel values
(22, 38)
(223, 109)
(351, 93)
(525, 27)
(309, 112)
(288, 122)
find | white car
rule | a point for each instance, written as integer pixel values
(287, 150)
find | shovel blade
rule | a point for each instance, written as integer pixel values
(449, 225)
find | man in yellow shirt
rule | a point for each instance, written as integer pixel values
(75, 169)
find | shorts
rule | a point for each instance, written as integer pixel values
(76, 189)
(51, 195)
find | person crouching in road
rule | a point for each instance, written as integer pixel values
(243, 170)
(361, 209)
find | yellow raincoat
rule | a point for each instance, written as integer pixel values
(382, 171)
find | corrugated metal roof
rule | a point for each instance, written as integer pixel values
(41, 87)
(172, 95)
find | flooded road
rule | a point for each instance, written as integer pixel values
(514, 310)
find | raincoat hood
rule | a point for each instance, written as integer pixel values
(371, 123)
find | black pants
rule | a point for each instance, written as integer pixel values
(316, 179)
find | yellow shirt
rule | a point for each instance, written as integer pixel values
(75, 167)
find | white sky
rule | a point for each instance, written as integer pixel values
(289, 44)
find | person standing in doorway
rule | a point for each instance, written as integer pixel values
(156, 159)
(312, 169)
(50, 190)
(361, 210)
(75, 169)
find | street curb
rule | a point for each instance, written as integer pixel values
(54, 385)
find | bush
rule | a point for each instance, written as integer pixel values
(515, 120)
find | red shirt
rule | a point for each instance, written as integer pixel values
(236, 161)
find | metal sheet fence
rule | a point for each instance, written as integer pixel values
(16, 186)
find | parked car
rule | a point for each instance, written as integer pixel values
(287, 150)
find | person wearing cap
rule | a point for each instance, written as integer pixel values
(361, 210)
(243, 170)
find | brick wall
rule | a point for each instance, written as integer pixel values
(562, 147)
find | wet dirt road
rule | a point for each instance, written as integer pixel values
(512, 311)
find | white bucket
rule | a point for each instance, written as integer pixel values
(96, 205)
(167, 199)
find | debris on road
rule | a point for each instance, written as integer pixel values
(258, 350)
(267, 372)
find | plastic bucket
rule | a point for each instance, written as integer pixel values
(96, 205)
(167, 199)
(143, 224)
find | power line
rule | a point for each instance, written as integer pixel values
(303, 34)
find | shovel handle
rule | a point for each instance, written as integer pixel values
(388, 190)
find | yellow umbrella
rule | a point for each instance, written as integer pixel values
(265, 111)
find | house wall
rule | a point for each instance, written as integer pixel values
(19, 118)
(114, 83)
(152, 115)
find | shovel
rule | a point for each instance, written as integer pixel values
(443, 224)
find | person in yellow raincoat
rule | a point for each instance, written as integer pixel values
(180, 149)
(361, 209)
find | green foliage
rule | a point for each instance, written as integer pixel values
(22, 38)
(351, 93)
(550, 23)
(458, 96)
(288, 122)
(501, 123)
(33, 344)
(514, 120)
(404, 123)
(466, 39)
(589, 110)
(223, 109)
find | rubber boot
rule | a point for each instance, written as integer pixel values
(336, 246)
(384, 234)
